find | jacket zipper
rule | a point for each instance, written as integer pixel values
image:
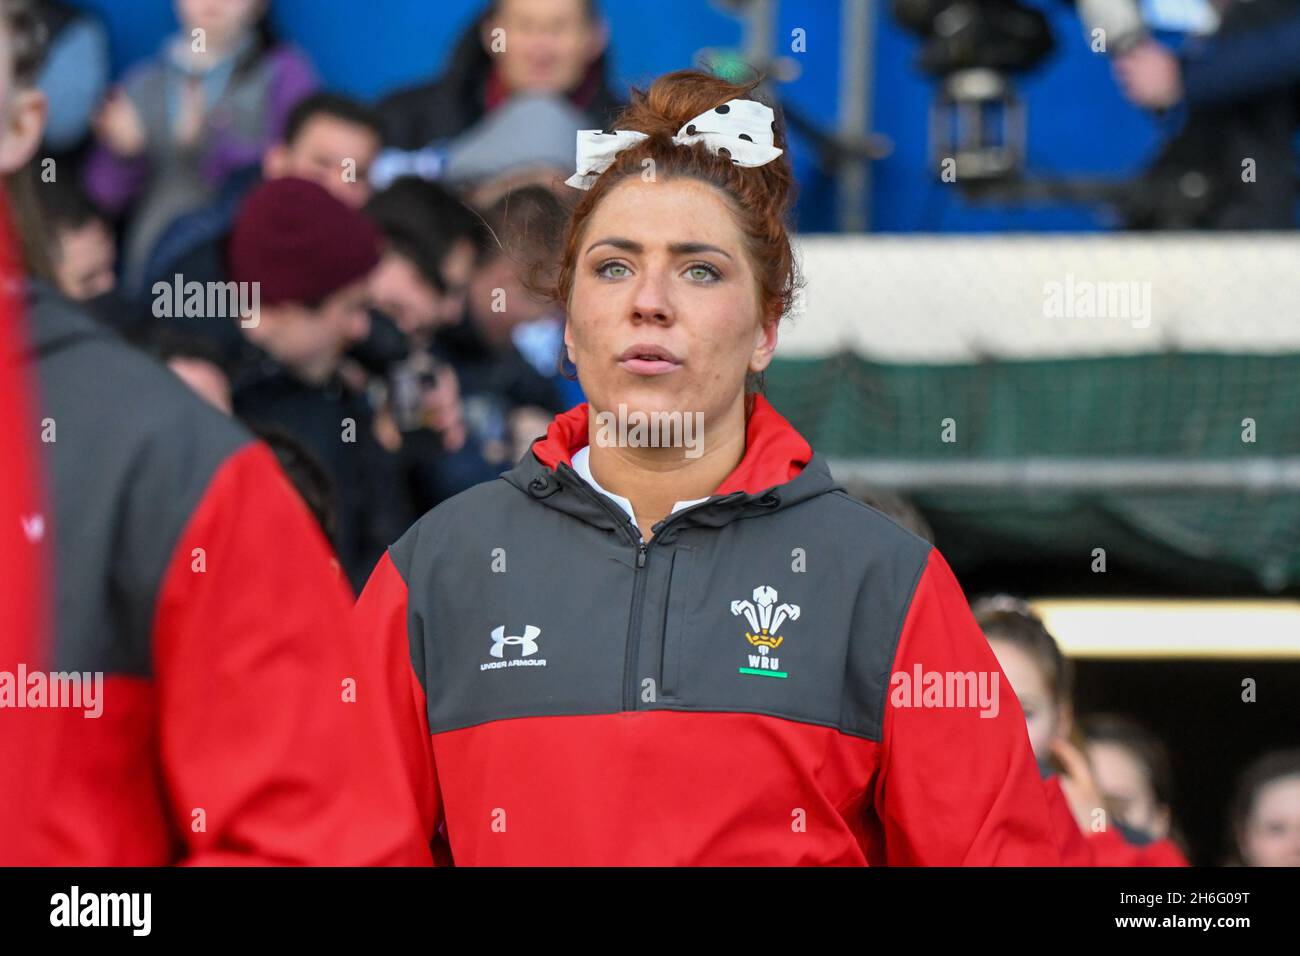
(630, 652)
(638, 584)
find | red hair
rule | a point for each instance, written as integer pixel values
(759, 197)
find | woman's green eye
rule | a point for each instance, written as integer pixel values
(702, 273)
(604, 270)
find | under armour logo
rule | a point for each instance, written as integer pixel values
(527, 642)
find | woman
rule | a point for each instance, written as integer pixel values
(626, 653)
(1265, 815)
(1090, 831)
(208, 105)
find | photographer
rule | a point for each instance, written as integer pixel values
(431, 242)
(1237, 93)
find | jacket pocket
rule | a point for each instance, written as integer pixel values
(676, 623)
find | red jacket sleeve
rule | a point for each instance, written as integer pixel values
(1074, 848)
(957, 783)
(23, 556)
(272, 746)
(381, 619)
(1104, 847)
(1108, 848)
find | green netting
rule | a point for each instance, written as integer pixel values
(1181, 409)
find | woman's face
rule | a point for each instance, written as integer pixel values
(1271, 835)
(1042, 713)
(664, 315)
(1124, 783)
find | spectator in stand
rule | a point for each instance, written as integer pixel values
(81, 245)
(209, 104)
(313, 256)
(555, 47)
(431, 243)
(505, 395)
(528, 141)
(1233, 95)
(328, 139)
(74, 77)
(1133, 772)
(1088, 832)
(1265, 814)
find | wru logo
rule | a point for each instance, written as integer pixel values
(765, 618)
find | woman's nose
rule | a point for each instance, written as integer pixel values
(651, 301)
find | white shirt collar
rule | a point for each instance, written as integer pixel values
(583, 467)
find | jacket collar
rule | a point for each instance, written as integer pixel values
(774, 451)
(778, 469)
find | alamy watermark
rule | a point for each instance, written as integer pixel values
(638, 429)
(1091, 299)
(82, 690)
(198, 300)
(945, 689)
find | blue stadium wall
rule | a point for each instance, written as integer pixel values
(1078, 122)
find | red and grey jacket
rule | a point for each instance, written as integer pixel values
(192, 578)
(737, 690)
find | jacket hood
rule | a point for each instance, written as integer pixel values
(778, 469)
(54, 322)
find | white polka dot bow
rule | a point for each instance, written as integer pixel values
(740, 128)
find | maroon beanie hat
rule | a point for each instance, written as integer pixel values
(300, 243)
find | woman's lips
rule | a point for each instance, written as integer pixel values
(645, 359)
(644, 366)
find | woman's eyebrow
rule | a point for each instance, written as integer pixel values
(676, 248)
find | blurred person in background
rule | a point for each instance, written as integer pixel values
(74, 77)
(196, 362)
(1264, 818)
(516, 46)
(194, 586)
(1043, 681)
(527, 141)
(209, 104)
(506, 397)
(312, 257)
(328, 139)
(1133, 773)
(80, 241)
(431, 243)
(1233, 99)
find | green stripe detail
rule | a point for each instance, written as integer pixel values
(753, 670)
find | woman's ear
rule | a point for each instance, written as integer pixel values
(24, 125)
(764, 345)
(1065, 720)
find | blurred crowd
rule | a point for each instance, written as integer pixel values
(403, 346)
(365, 288)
